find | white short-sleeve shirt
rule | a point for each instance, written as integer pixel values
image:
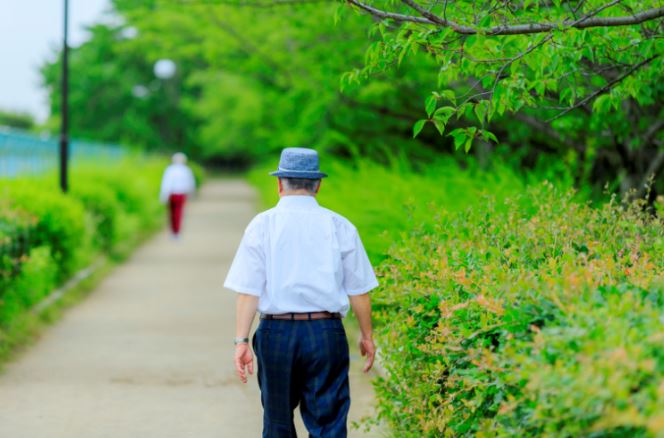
(301, 257)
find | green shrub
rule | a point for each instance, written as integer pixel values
(123, 201)
(104, 208)
(510, 321)
(35, 280)
(135, 185)
(15, 227)
(60, 222)
(507, 306)
(45, 236)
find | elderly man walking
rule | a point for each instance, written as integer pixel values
(301, 266)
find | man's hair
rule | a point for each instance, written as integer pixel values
(310, 185)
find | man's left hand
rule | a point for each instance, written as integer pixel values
(244, 358)
(368, 349)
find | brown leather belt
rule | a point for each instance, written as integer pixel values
(309, 316)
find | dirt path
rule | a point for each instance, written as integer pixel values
(147, 355)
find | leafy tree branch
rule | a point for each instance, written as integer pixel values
(429, 18)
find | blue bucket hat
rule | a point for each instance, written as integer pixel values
(299, 163)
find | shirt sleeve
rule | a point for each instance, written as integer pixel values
(247, 272)
(359, 277)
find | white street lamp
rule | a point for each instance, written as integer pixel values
(164, 69)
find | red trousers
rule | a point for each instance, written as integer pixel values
(176, 206)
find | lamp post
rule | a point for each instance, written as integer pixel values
(64, 113)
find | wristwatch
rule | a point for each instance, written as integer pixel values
(237, 341)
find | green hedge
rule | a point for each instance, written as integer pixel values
(59, 222)
(46, 236)
(508, 306)
(515, 321)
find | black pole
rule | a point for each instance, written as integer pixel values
(64, 133)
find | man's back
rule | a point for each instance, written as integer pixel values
(312, 259)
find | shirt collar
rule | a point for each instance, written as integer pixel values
(297, 202)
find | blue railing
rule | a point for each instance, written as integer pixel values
(23, 153)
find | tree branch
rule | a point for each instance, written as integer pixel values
(431, 19)
(604, 89)
(442, 22)
(389, 15)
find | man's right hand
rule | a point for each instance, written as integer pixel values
(368, 349)
(243, 358)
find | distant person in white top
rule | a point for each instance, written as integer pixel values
(178, 182)
(301, 266)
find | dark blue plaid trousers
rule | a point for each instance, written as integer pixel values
(305, 363)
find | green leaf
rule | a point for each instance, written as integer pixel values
(444, 113)
(567, 96)
(430, 105)
(489, 136)
(440, 125)
(449, 95)
(441, 116)
(472, 131)
(469, 143)
(460, 136)
(417, 127)
(338, 12)
(481, 110)
(467, 110)
(602, 104)
(404, 51)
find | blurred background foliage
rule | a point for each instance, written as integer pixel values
(253, 77)
(242, 88)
